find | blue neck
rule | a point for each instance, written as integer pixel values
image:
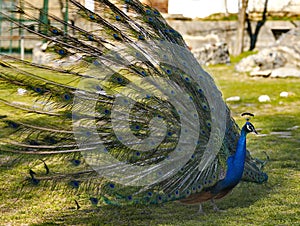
(240, 154)
(235, 166)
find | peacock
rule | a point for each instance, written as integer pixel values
(121, 110)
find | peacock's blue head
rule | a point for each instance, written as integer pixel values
(249, 128)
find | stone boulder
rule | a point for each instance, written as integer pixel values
(280, 60)
(211, 54)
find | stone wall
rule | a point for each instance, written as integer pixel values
(196, 33)
(199, 33)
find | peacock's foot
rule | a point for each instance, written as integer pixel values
(215, 208)
(201, 211)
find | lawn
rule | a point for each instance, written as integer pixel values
(275, 203)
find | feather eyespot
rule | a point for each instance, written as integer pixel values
(116, 36)
(74, 184)
(13, 124)
(119, 80)
(76, 162)
(66, 97)
(54, 31)
(91, 38)
(94, 201)
(141, 37)
(38, 90)
(144, 73)
(61, 52)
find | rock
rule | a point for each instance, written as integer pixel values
(233, 99)
(264, 98)
(258, 73)
(284, 94)
(281, 59)
(282, 134)
(211, 54)
(265, 60)
(285, 72)
(293, 128)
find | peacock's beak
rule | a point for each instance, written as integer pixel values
(254, 131)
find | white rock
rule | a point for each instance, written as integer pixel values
(21, 91)
(258, 73)
(294, 128)
(284, 94)
(264, 98)
(234, 98)
(285, 72)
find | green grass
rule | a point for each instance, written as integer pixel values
(274, 203)
(236, 59)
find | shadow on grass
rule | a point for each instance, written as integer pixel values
(173, 213)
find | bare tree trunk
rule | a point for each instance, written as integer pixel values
(226, 8)
(254, 36)
(240, 28)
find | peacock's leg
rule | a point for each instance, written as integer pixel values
(200, 211)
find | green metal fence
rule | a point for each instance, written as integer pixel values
(13, 39)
